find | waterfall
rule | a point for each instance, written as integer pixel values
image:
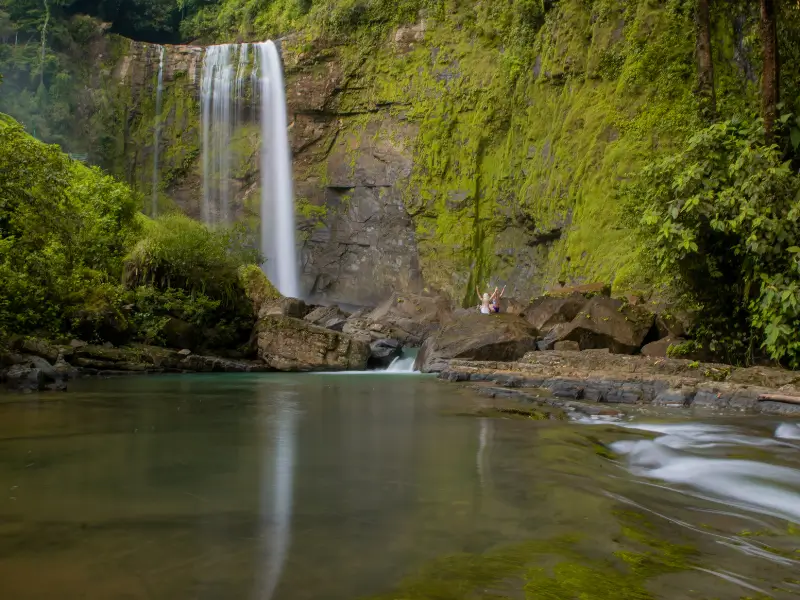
(277, 197)
(216, 101)
(223, 101)
(157, 131)
(241, 72)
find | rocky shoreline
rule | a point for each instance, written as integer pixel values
(586, 381)
(288, 336)
(575, 349)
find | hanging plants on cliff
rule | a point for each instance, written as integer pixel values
(723, 216)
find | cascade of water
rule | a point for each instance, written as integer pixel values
(277, 196)
(241, 72)
(223, 98)
(157, 131)
(216, 102)
(223, 101)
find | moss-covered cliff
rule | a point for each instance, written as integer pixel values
(444, 143)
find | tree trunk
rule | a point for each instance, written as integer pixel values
(769, 75)
(705, 63)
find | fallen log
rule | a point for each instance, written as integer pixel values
(779, 398)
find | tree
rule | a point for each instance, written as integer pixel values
(705, 63)
(770, 92)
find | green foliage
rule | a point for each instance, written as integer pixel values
(245, 19)
(63, 233)
(723, 215)
(178, 252)
(68, 234)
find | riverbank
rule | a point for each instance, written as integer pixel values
(586, 379)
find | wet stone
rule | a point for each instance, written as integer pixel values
(673, 397)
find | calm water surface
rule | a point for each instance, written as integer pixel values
(299, 487)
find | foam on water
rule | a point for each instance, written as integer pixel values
(788, 431)
(402, 364)
(675, 457)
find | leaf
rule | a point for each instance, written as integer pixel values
(794, 135)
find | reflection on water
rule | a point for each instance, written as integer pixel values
(279, 486)
(333, 487)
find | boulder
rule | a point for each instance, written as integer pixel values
(42, 348)
(409, 318)
(284, 307)
(567, 345)
(383, 352)
(64, 369)
(548, 311)
(359, 329)
(330, 317)
(257, 288)
(609, 323)
(215, 364)
(24, 378)
(289, 344)
(477, 337)
(659, 348)
(670, 325)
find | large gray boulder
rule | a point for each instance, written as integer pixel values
(330, 317)
(608, 323)
(284, 307)
(409, 318)
(475, 336)
(546, 312)
(289, 344)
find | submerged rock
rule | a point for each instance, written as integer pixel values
(24, 378)
(477, 337)
(34, 373)
(289, 344)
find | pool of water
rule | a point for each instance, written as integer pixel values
(331, 487)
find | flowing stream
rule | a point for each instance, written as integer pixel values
(299, 487)
(239, 80)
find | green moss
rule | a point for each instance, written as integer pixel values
(553, 569)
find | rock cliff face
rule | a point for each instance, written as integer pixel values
(430, 159)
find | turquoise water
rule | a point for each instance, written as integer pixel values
(358, 486)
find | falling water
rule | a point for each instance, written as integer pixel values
(240, 94)
(216, 99)
(224, 99)
(277, 197)
(157, 131)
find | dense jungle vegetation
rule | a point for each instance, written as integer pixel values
(76, 258)
(710, 198)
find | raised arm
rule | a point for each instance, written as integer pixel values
(503, 291)
(494, 293)
(477, 291)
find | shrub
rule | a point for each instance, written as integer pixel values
(63, 233)
(723, 216)
(178, 252)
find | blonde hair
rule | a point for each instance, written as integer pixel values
(486, 295)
